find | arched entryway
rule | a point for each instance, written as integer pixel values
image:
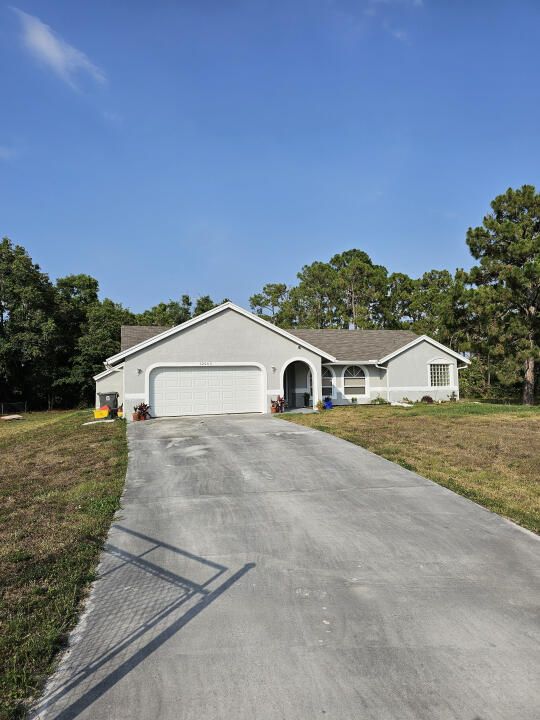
(298, 384)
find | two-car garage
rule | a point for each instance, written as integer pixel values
(205, 390)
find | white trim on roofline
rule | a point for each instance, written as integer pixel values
(352, 362)
(108, 371)
(425, 338)
(209, 314)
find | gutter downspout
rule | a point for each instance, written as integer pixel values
(385, 367)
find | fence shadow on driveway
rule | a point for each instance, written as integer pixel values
(138, 603)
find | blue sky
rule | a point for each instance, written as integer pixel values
(210, 146)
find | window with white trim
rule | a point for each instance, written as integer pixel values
(439, 375)
(327, 382)
(354, 381)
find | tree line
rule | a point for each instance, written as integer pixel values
(55, 336)
(490, 312)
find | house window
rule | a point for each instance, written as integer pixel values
(327, 383)
(354, 381)
(439, 375)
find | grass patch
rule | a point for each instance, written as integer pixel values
(60, 484)
(488, 453)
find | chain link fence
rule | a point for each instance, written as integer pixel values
(13, 408)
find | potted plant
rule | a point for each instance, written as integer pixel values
(307, 397)
(278, 405)
(141, 411)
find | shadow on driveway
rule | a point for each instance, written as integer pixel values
(136, 605)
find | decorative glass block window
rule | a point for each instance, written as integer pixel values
(439, 375)
(327, 382)
(354, 381)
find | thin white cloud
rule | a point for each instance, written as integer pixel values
(397, 33)
(374, 6)
(6, 152)
(388, 15)
(55, 53)
(113, 118)
(404, 3)
(388, 10)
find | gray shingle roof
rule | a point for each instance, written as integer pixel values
(342, 344)
(356, 344)
(131, 335)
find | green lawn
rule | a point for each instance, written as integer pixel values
(60, 484)
(489, 453)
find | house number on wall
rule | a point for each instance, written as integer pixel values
(205, 363)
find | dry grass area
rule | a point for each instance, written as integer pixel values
(60, 484)
(489, 453)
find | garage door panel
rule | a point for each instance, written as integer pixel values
(202, 390)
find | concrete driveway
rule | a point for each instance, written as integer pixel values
(262, 570)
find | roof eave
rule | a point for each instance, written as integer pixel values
(108, 371)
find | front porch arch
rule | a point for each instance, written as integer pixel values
(315, 379)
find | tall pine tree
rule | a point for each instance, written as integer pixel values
(507, 246)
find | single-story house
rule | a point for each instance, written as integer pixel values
(228, 360)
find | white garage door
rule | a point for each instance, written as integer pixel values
(205, 390)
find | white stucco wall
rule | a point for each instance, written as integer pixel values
(406, 375)
(226, 337)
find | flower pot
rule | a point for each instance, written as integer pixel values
(135, 417)
(273, 409)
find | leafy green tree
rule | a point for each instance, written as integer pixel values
(270, 302)
(99, 340)
(203, 304)
(171, 313)
(396, 306)
(78, 293)
(480, 328)
(349, 291)
(75, 295)
(507, 246)
(312, 303)
(360, 289)
(28, 331)
(432, 305)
